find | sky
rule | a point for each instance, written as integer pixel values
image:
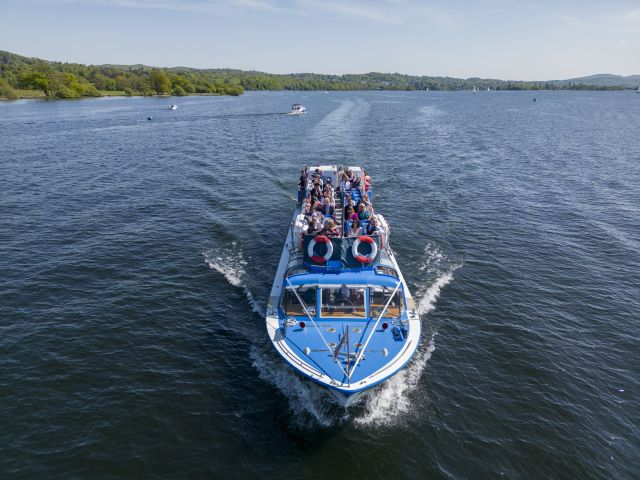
(509, 40)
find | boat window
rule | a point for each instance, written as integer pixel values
(343, 301)
(378, 298)
(386, 271)
(292, 306)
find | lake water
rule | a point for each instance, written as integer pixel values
(136, 257)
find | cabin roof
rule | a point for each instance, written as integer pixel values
(346, 277)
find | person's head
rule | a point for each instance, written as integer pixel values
(329, 180)
(361, 207)
(331, 224)
(373, 221)
(356, 223)
(349, 211)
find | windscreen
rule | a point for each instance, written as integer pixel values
(343, 301)
(291, 305)
(378, 298)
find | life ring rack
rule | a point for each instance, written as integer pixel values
(355, 249)
(312, 245)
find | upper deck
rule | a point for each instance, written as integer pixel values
(334, 242)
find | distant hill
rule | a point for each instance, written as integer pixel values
(29, 77)
(607, 80)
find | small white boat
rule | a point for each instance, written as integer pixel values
(297, 109)
(638, 90)
(173, 107)
(475, 89)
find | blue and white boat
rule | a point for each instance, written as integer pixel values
(340, 312)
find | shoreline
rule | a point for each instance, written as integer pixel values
(37, 95)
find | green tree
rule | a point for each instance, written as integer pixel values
(7, 90)
(178, 91)
(160, 82)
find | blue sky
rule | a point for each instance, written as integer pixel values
(523, 40)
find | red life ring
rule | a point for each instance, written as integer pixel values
(364, 258)
(312, 245)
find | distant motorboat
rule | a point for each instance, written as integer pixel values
(297, 109)
(173, 107)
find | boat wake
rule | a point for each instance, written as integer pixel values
(386, 405)
(435, 263)
(389, 403)
(310, 405)
(313, 406)
(232, 266)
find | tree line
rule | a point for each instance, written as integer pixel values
(70, 80)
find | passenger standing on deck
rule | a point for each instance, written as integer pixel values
(328, 188)
(302, 186)
(345, 185)
(367, 185)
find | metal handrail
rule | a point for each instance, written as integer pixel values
(361, 352)
(304, 305)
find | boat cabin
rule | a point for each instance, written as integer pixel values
(356, 296)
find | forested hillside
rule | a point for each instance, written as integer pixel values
(31, 77)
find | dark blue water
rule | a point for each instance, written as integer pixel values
(136, 258)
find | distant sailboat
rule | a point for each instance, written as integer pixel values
(475, 89)
(488, 89)
(638, 90)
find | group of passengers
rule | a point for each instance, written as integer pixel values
(350, 181)
(319, 206)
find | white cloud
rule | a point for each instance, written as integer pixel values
(368, 11)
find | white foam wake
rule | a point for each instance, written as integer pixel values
(385, 405)
(435, 262)
(232, 267)
(309, 403)
(391, 401)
